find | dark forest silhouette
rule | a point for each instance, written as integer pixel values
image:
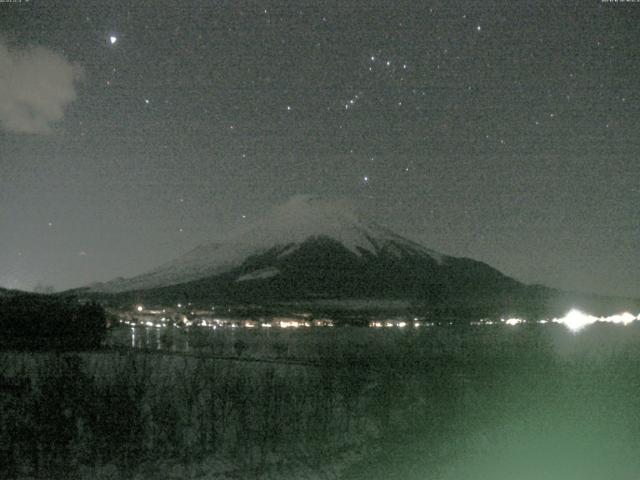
(45, 322)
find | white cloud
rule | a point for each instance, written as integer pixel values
(36, 85)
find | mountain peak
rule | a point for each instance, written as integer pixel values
(300, 210)
(304, 216)
(286, 227)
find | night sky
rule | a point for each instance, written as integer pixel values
(505, 131)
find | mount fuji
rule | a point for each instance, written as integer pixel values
(312, 247)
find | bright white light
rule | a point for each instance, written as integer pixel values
(575, 320)
(513, 321)
(139, 308)
(624, 318)
(113, 39)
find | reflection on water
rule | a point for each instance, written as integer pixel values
(511, 401)
(574, 331)
(168, 338)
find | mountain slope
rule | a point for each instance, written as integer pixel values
(285, 229)
(311, 249)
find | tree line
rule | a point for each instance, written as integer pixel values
(46, 322)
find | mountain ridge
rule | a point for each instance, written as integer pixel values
(301, 218)
(315, 250)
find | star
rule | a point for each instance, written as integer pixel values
(478, 28)
(146, 100)
(366, 179)
(113, 39)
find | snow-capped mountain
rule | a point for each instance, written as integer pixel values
(286, 227)
(314, 247)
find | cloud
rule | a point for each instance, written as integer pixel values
(36, 85)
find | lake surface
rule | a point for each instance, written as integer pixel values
(481, 402)
(553, 339)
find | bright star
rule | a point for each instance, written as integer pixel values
(113, 39)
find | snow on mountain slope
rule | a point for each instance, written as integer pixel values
(259, 274)
(287, 226)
